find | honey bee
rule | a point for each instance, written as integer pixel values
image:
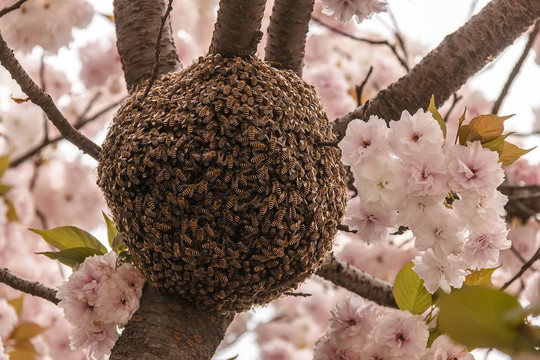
(209, 245)
(276, 189)
(258, 257)
(128, 204)
(232, 201)
(251, 133)
(181, 201)
(163, 226)
(180, 175)
(251, 229)
(191, 252)
(186, 239)
(149, 212)
(229, 161)
(203, 187)
(257, 158)
(176, 249)
(222, 278)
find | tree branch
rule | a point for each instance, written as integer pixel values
(45, 102)
(289, 24)
(445, 69)
(237, 30)
(9, 9)
(345, 275)
(523, 201)
(524, 268)
(30, 287)
(516, 69)
(137, 24)
(392, 47)
(158, 50)
(169, 328)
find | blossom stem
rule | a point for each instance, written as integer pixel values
(524, 268)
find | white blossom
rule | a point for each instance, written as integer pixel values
(440, 272)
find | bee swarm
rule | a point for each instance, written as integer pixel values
(217, 181)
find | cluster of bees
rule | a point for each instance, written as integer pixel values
(218, 182)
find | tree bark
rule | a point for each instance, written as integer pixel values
(445, 69)
(137, 26)
(237, 30)
(287, 33)
(349, 277)
(168, 328)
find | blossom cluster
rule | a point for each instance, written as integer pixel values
(97, 299)
(361, 330)
(445, 193)
(345, 10)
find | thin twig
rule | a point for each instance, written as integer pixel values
(9, 9)
(82, 120)
(360, 89)
(288, 293)
(158, 50)
(456, 99)
(368, 41)
(346, 228)
(397, 34)
(30, 287)
(45, 102)
(516, 69)
(472, 8)
(524, 268)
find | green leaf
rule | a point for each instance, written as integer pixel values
(17, 304)
(410, 292)
(433, 335)
(71, 256)
(26, 330)
(481, 317)
(487, 127)
(11, 212)
(67, 237)
(111, 230)
(4, 188)
(118, 244)
(4, 164)
(511, 153)
(496, 144)
(480, 277)
(436, 115)
(463, 134)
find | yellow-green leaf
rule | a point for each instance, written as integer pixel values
(4, 164)
(111, 230)
(4, 188)
(481, 317)
(511, 153)
(71, 256)
(25, 345)
(109, 17)
(17, 304)
(409, 291)
(66, 237)
(21, 355)
(496, 144)
(463, 134)
(433, 335)
(488, 127)
(11, 212)
(26, 330)
(480, 277)
(436, 115)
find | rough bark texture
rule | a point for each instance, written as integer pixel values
(445, 69)
(168, 328)
(287, 32)
(349, 277)
(237, 30)
(137, 26)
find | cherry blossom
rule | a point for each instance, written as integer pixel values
(440, 272)
(371, 222)
(345, 10)
(8, 319)
(482, 248)
(363, 139)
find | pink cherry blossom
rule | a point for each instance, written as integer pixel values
(416, 136)
(363, 139)
(443, 348)
(474, 168)
(100, 61)
(278, 349)
(96, 340)
(427, 176)
(324, 350)
(442, 232)
(438, 272)
(3, 355)
(53, 29)
(380, 179)
(8, 319)
(482, 248)
(480, 211)
(371, 222)
(401, 335)
(345, 10)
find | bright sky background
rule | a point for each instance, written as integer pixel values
(427, 21)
